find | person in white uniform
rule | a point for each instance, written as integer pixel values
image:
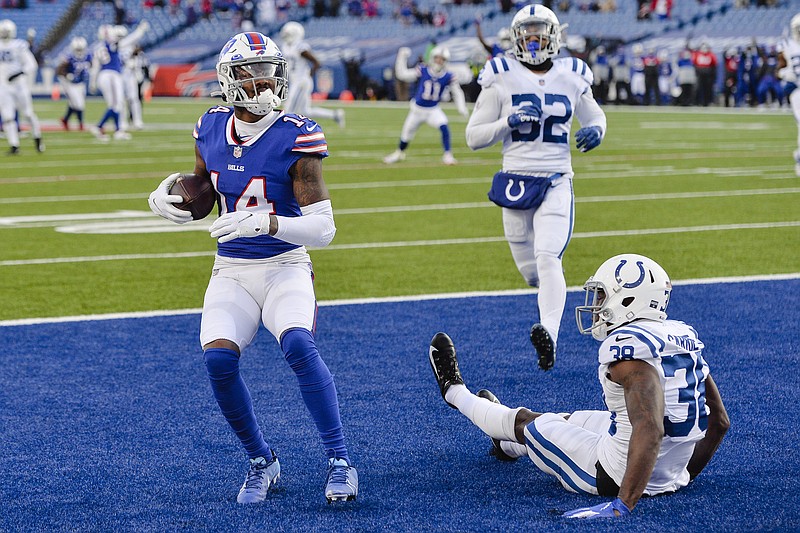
(527, 102)
(18, 68)
(664, 419)
(303, 65)
(789, 72)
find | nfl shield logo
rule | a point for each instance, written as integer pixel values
(237, 152)
(541, 82)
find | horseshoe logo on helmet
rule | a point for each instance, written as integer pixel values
(632, 284)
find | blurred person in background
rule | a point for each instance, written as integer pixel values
(789, 72)
(303, 66)
(18, 68)
(705, 63)
(433, 79)
(731, 62)
(499, 47)
(686, 78)
(73, 75)
(598, 59)
(666, 77)
(621, 76)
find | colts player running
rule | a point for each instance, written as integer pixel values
(266, 167)
(528, 101)
(433, 78)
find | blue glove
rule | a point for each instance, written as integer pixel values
(525, 115)
(589, 138)
(604, 510)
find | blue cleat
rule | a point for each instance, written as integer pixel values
(262, 475)
(342, 482)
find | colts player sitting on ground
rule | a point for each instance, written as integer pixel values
(664, 419)
(266, 167)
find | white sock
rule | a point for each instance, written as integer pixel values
(495, 420)
(513, 449)
(552, 293)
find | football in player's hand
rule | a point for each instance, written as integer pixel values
(199, 196)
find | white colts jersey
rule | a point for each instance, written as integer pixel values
(791, 51)
(299, 67)
(674, 350)
(16, 58)
(542, 146)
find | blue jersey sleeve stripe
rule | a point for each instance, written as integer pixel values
(574, 65)
(640, 335)
(494, 66)
(583, 68)
(505, 64)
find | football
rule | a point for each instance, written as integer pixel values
(199, 196)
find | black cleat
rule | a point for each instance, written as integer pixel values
(14, 150)
(545, 347)
(39, 144)
(442, 355)
(496, 451)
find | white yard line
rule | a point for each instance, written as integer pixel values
(406, 244)
(389, 299)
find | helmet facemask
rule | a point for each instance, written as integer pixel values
(252, 73)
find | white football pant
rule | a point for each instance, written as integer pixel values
(417, 116)
(298, 101)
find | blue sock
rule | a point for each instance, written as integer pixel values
(403, 145)
(115, 116)
(234, 400)
(445, 137)
(316, 387)
(80, 116)
(107, 115)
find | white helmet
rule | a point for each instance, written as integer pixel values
(536, 21)
(794, 27)
(105, 33)
(120, 32)
(625, 288)
(8, 30)
(292, 32)
(78, 46)
(504, 38)
(438, 58)
(252, 60)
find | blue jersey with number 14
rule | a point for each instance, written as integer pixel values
(253, 174)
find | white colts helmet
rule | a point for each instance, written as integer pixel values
(252, 60)
(8, 30)
(794, 26)
(625, 288)
(539, 21)
(438, 59)
(292, 32)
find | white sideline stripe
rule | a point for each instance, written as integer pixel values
(403, 244)
(388, 299)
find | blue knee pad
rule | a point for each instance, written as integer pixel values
(316, 387)
(234, 400)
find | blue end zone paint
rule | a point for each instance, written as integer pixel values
(111, 425)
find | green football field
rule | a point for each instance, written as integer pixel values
(707, 193)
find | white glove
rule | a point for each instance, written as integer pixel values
(161, 202)
(239, 224)
(404, 51)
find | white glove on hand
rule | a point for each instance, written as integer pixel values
(161, 202)
(404, 51)
(239, 224)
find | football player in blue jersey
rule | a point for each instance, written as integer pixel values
(266, 167)
(527, 101)
(73, 74)
(432, 81)
(664, 417)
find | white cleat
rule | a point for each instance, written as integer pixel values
(98, 133)
(394, 157)
(262, 475)
(122, 135)
(339, 118)
(342, 482)
(448, 159)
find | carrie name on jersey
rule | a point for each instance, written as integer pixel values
(253, 174)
